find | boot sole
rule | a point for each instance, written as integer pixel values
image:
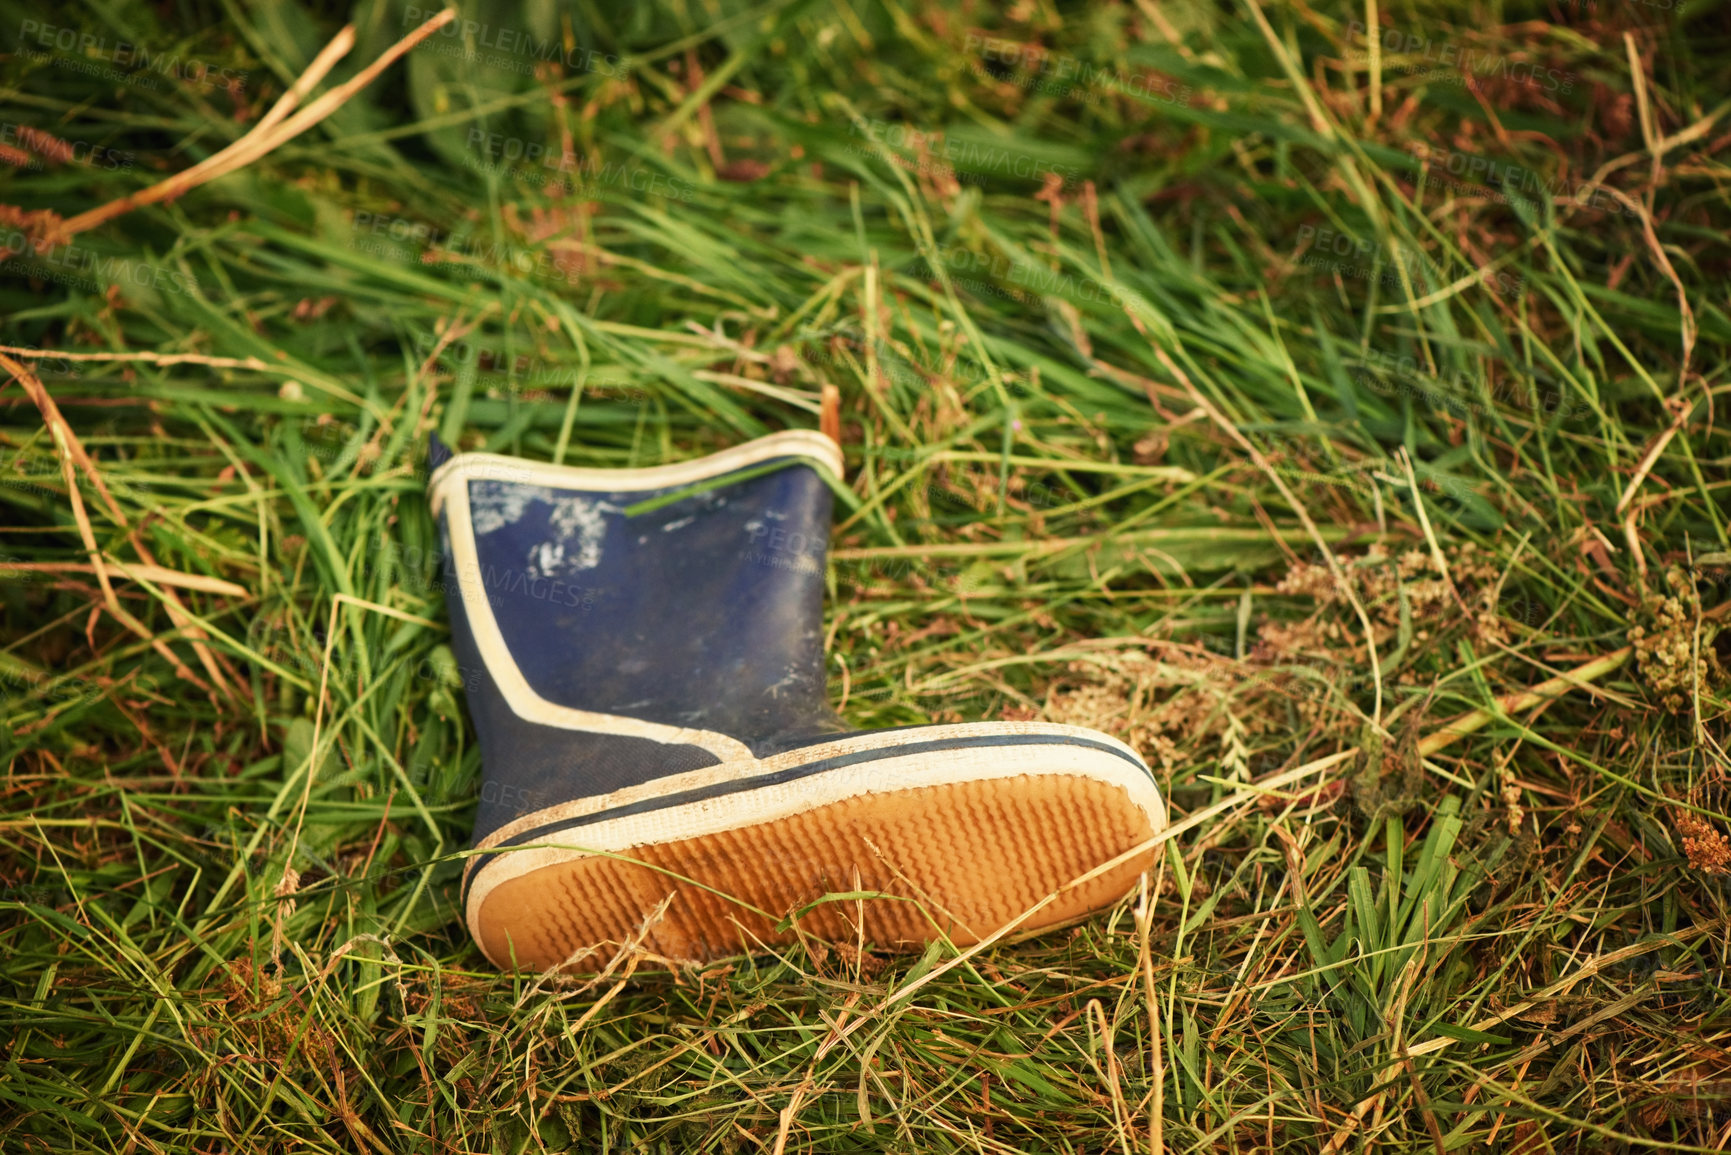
(959, 841)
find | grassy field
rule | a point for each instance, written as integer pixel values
(1330, 398)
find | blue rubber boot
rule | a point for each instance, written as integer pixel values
(643, 651)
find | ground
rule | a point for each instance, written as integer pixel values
(1330, 402)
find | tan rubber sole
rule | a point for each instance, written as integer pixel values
(974, 854)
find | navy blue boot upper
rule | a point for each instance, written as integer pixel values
(701, 612)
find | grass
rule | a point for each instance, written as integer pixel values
(1283, 397)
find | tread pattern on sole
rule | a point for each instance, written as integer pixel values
(973, 854)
